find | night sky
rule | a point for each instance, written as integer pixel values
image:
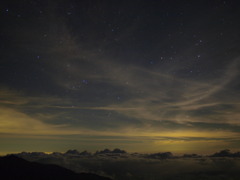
(143, 76)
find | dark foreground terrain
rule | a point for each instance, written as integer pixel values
(15, 168)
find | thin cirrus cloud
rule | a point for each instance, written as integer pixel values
(142, 94)
(115, 94)
(79, 81)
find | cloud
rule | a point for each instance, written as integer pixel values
(17, 123)
(146, 96)
(97, 86)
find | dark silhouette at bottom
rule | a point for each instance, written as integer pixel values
(15, 168)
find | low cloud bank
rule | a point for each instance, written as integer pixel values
(119, 164)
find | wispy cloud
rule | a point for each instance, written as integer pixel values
(92, 91)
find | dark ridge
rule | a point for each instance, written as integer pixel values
(13, 168)
(165, 155)
(72, 152)
(115, 151)
(225, 153)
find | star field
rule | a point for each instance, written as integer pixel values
(150, 75)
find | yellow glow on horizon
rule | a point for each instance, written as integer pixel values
(16, 126)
